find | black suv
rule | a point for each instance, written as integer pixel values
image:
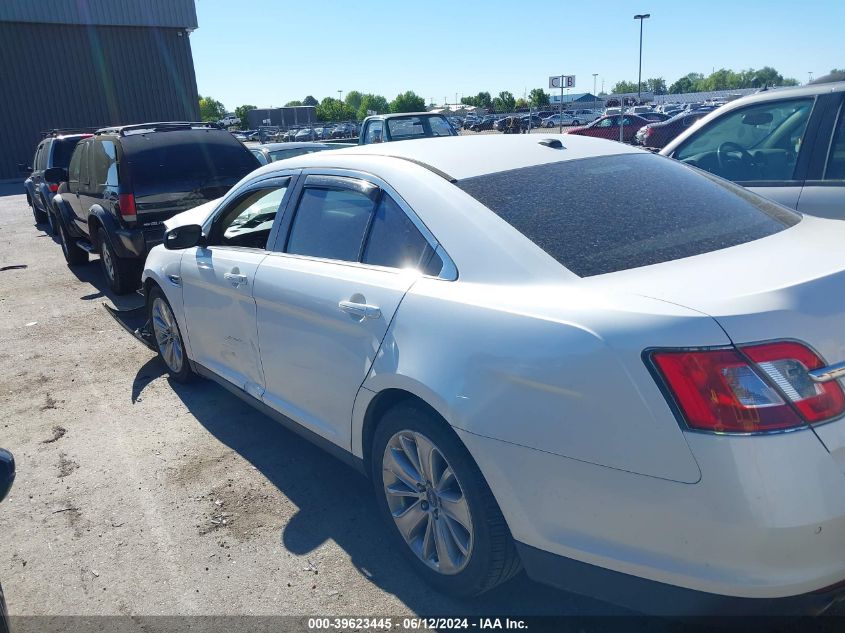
(54, 151)
(124, 182)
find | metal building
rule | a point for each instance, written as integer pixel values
(91, 63)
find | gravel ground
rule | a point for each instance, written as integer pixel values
(138, 496)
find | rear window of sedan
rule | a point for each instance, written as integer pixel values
(611, 213)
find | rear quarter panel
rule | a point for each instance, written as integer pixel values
(551, 368)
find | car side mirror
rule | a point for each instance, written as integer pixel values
(7, 472)
(181, 237)
(56, 175)
(24, 169)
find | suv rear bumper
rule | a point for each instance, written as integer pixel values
(657, 598)
(134, 243)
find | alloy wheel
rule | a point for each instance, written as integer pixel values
(427, 502)
(108, 262)
(167, 335)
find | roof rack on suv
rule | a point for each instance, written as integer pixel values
(60, 131)
(163, 126)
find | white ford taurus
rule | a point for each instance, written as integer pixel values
(561, 353)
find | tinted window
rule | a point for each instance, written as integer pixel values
(35, 158)
(594, 216)
(394, 241)
(103, 164)
(248, 223)
(62, 151)
(281, 154)
(374, 132)
(75, 161)
(758, 142)
(418, 127)
(836, 161)
(41, 157)
(83, 163)
(330, 223)
(162, 160)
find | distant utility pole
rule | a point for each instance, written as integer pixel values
(809, 76)
(641, 17)
(594, 90)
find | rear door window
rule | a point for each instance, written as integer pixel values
(374, 132)
(396, 242)
(330, 223)
(835, 169)
(594, 216)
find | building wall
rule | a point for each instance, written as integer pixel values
(174, 13)
(69, 75)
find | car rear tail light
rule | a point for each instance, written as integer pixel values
(787, 365)
(758, 388)
(126, 206)
(53, 187)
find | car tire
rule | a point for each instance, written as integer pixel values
(40, 216)
(168, 339)
(74, 255)
(479, 550)
(52, 228)
(123, 275)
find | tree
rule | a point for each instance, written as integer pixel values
(310, 101)
(211, 109)
(624, 86)
(504, 102)
(656, 85)
(330, 109)
(407, 102)
(240, 112)
(481, 100)
(688, 83)
(353, 100)
(294, 103)
(521, 103)
(376, 103)
(538, 98)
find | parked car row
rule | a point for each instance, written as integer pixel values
(542, 354)
(111, 195)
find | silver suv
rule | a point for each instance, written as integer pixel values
(787, 144)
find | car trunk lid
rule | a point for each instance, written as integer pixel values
(790, 285)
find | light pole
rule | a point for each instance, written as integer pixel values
(641, 17)
(809, 76)
(594, 89)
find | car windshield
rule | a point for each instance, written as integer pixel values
(418, 127)
(583, 212)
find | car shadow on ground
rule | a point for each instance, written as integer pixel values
(92, 274)
(336, 503)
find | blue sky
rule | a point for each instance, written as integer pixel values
(267, 52)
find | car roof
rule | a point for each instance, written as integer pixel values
(461, 157)
(271, 147)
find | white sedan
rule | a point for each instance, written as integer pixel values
(635, 397)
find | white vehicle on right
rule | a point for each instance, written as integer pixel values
(787, 144)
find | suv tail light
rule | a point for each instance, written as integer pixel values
(126, 207)
(757, 388)
(53, 187)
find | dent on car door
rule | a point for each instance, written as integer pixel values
(218, 281)
(823, 194)
(759, 146)
(326, 298)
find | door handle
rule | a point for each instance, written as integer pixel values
(360, 310)
(235, 278)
